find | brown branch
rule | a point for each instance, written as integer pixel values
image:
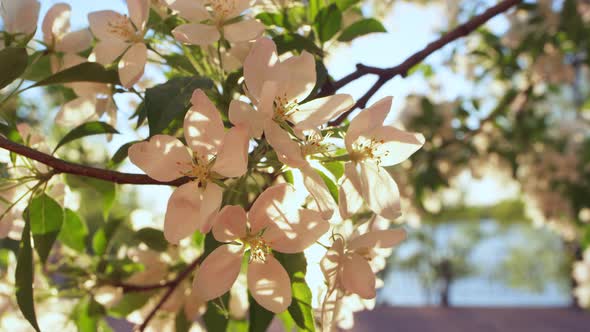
(386, 74)
(172, 284)
(62, 166)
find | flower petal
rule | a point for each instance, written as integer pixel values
(203, 128)
(276, 202)
(330, 263)
(77, 111)
(367, 120)
(232, 158)
(75, 42)
(269, 284)
(132, 64)
(139, 11)
(300, 76)
(56, 23)
(349, 197)
(241, 113)
(317, 112)
(379, 190)
(108, 50)
(218, 272)
(230, 224)
(196, 34)
(190, 10)
(162, 157)
(100, 24)
(397, 146)
(182, 212)
(211, 202)
(293, 235)
(288, 151)
(386, 238)
(357, 276)
(258, 64)
(317, 188)
(243, 31)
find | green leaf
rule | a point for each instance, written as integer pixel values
(13, 63)
(345, 4)
(260, 318)
(170, 101)
(288, 175)
(153, 238)
(121, 153)
(46, 218)
(328, 22)
(87, 314)
(335, 167)
(107, 191)
(23, 277)
(361, 28)
(86, 129)
(270, 19)
(237, 326)
(103, 235)
(332, 187)
(313, 9)
(300, 308)
(294, 42)
(74, 231)
(84, 72)
(181, 323)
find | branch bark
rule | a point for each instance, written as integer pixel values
(386, 74)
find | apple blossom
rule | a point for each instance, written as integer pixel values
(274, 223)
(20, 17)
(58, 37)
(372, 145)
(122, 35)
(216, 154)
(212, 20)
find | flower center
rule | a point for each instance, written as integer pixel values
(283, 108)
(222, 9)
(199, 170)
(315, 144)
(122, 27)
(366, 148)
(259, 249)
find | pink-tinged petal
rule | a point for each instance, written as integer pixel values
(293, 235)
(275, 203)
(243, 31)
(270, 90)
(56, 23)
(71, 60)
(162, 157)
(288, 151)
(257, 66)
(190, 10)
(132, 64)
(239, 6)
(317, 188)
(386, 238)
(75, 42)
(139, 11)
(108, 50)
(203, 128)
(379, 190)
(182, 212)
(397, 146)
(368, 119)
(218, 272)
(357, 276)
(90, 89)
(196, 34)
(20, 16)
(349, 198)
(330, 263)
(77, 111)
(269, 284)
(212, 196)
(100, 24)
(241, 113)
(232, 158)
(230, 224)
(318, 112)
(301, 76)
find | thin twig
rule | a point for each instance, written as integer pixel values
(386, 74)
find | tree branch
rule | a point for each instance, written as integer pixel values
(386, 74)
(62, 166)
